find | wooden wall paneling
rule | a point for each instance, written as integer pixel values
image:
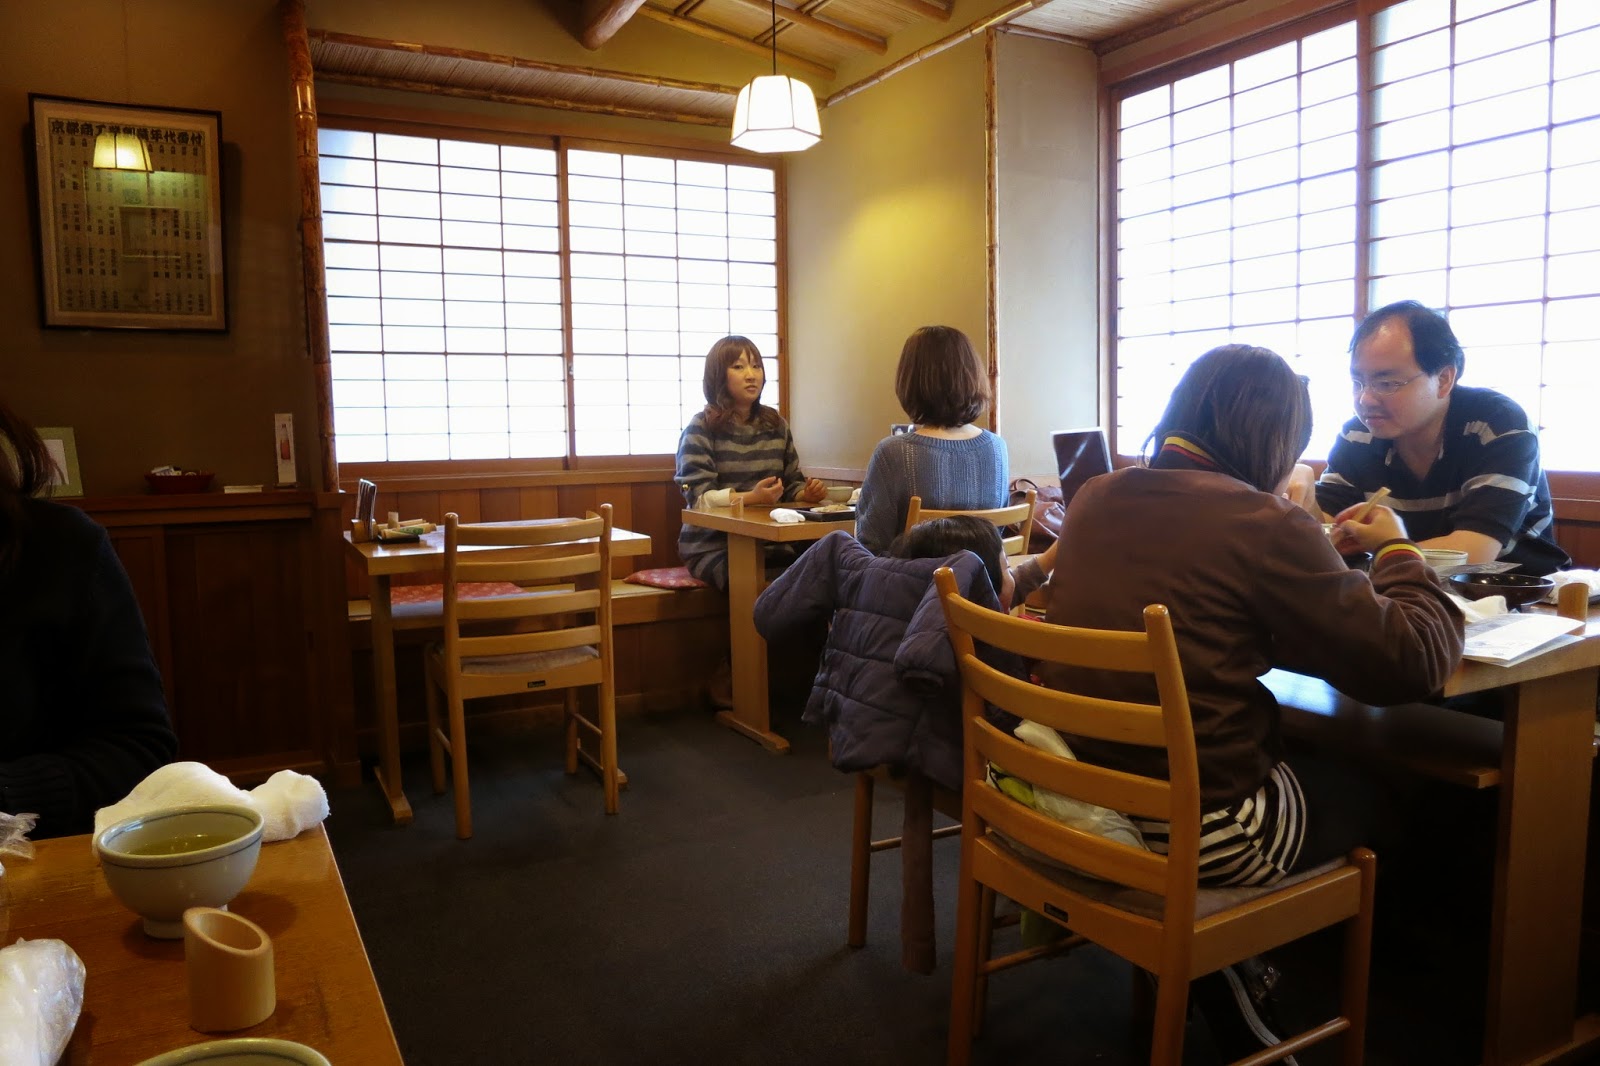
(465, 503)
(143, 552)
(539, 502)
(499, 505)
(657, 510)
(334, 705)
(241, 672)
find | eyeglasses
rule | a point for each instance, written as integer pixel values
(1383, 386)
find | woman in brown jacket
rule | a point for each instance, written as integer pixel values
(1253, 583)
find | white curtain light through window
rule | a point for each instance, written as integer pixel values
(467, 303)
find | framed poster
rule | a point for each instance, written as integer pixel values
(130, 216)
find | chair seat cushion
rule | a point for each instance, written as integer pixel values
(420, 601)
(532, 663)
(666, 577)
(1208, 901)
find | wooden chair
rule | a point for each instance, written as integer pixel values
(1017, 514)
(1141, 905)
(922, 797)
(571, 648)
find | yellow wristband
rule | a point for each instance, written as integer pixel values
(1397, 546)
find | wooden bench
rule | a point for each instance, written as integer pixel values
(630, 605)
(1421, 738)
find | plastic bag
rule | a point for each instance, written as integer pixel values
(1101, 821)
(41, 993)
(14, 842)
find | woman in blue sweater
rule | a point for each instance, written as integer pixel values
(946, 460)
(82, 714)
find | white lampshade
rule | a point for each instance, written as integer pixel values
(120, 151)
(776, 113)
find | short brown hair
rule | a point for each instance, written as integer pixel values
(714, 383)
(940, 381)
(25, 470)
(1247, 407)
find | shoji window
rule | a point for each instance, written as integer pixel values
(1486, 195)
(1236, 220)
(498, 301)
(668, 255)
(1240, 216)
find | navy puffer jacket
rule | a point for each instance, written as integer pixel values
(887, 689)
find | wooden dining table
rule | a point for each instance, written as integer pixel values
(748, 534)
(382, 562)
(136, 997)
(1546, 760)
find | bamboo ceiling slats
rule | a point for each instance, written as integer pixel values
(1112, 25)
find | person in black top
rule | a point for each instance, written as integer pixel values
(83, 717)
(1461, 464)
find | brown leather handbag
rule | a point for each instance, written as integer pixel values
(1048, 511)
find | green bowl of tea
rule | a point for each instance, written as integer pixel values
(161, 863)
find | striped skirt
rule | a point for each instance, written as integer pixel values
(1253, 842)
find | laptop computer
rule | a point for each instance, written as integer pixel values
(1080, 455)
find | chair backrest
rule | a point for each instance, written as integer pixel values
(570, 557)
(1165, 724)
(1017, 514)
(1080, 455)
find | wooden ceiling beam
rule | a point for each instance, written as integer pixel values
(601, 19)
(844, 35)
(733, 40)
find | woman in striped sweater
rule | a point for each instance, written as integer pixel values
(735, 448)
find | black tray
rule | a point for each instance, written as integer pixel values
(847, 515)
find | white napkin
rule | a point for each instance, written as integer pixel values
(787, 515)
(41, 993)
(1478, 610)
(855, 497)
(289, 802)
(1590, 578)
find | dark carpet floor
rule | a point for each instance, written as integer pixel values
(705, 924)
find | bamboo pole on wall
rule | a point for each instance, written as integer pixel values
(315, 286)
(991, 222)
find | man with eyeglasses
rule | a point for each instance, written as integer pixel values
(1461, 463)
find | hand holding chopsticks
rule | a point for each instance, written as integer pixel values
(1376, 498)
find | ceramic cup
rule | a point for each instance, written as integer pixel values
(231, 983)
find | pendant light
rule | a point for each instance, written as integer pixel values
(122, 150)
(776, 113)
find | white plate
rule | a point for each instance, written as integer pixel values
(241, 1051)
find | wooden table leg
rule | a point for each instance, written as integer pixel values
(385, 704)
(1539, 872)
(747, 576)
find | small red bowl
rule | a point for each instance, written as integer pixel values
(169, 484)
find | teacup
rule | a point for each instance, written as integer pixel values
(840, 493)
(1442, 559)
(163, 862)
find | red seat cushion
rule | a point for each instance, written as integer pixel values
(666, 577)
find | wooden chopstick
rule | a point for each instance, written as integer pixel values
(1377, 498)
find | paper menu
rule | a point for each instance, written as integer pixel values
(1506, 638)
